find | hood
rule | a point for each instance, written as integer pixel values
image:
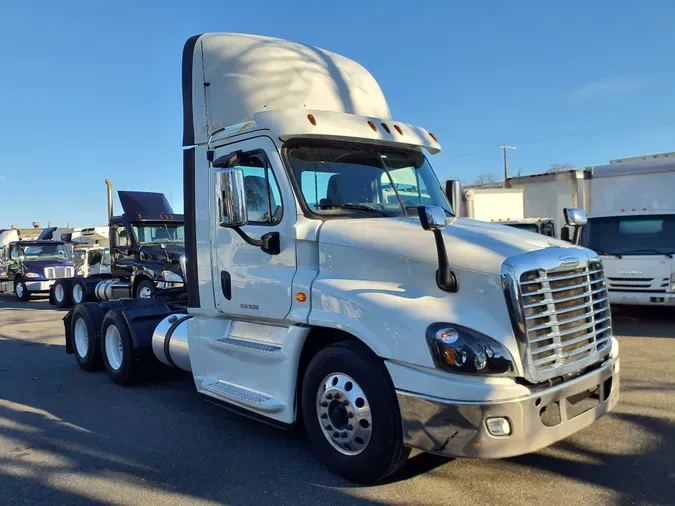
(154, 252)
(471, 244)
(42, 264)
(638, 272)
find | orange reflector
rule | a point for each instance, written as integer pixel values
(633, 209)
(311, 119)
(398, 129)
(300, 297)
(386, 128)
(372, 125)
(433, 137)
(644, 208)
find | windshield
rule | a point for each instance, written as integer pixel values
(357, 180)
(45, 252)
(166, 233)
(630, 235)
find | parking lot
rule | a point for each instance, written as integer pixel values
(67, 437)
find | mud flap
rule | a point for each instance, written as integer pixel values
(67, 323)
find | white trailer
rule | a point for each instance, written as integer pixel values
(494, 204)
(328, 280)
(547, 195)
(631, 207)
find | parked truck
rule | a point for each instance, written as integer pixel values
(632, 227)
(144, 257)
(34, 266)
(381, 324)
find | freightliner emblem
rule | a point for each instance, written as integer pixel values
(569, 261)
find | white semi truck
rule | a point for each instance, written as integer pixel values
(381, 324)
(632, 227)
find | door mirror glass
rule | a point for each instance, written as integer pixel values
(230, 197)
(432, 217)
(575, 217)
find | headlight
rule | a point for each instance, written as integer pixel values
(462, 350)
(171, 277)
(32, 275)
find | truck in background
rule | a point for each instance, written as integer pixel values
(34, 266)
(496, 204)
(382, 323)
(146, 244)
(631, 225)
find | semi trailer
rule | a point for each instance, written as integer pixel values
(144, 257)
(322, 292)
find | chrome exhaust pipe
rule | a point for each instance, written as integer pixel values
(108, 183)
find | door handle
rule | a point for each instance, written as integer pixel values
(226, 284)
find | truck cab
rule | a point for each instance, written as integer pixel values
(330, 282)
(34, 266)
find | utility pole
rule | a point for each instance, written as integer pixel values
(506, 167)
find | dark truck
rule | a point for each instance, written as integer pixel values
(146, 248)
(34, 266)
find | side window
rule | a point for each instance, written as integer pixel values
(263, 197)
(121, 237)
(409, 186)
(14, 255)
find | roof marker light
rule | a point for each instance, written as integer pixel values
(372, 125)
(386, 128)
(398, 129)
(311, 119)
(433, 137)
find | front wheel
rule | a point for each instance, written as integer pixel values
(351, 413)
(21, 290)
(145, 289)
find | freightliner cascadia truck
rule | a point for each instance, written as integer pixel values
(319, 294)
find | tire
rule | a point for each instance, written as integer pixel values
(144, 287)
(20, 287)
(62, 294)
(78, 292)
(380, 452)
(124, 363)
(87, 336)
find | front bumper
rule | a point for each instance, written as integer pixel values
(641, 298)
(39, 286)
(458, 429)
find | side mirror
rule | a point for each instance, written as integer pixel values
(432, 217)
(565, 233)
(231, 197)
(575, 217)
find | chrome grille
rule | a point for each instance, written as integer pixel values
(566, 317)
(649, 285)
(59, 272)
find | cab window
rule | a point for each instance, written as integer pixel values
(121, 237)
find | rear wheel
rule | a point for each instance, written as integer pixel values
(122, 361)
(86, 331)
(21, 290)
(78, 292)
(351, 413)
(62, 296)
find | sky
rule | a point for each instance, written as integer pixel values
(92, 90)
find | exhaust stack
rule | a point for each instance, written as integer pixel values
(110, 199)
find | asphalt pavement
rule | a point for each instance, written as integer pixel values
(69, 437)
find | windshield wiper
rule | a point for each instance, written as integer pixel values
(649, 250)
(601, 252)
(360, 207)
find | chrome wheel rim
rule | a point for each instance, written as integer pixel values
(59, 293)
(19, 289)
(81, 338)
(145, 293)
(113, 347)
(77, 293)
(344, 414)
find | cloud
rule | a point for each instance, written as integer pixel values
(608, 88)
(2, 177)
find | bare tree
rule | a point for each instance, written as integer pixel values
(554, 168)
(485, 178)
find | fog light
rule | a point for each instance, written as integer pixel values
(498, 426)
